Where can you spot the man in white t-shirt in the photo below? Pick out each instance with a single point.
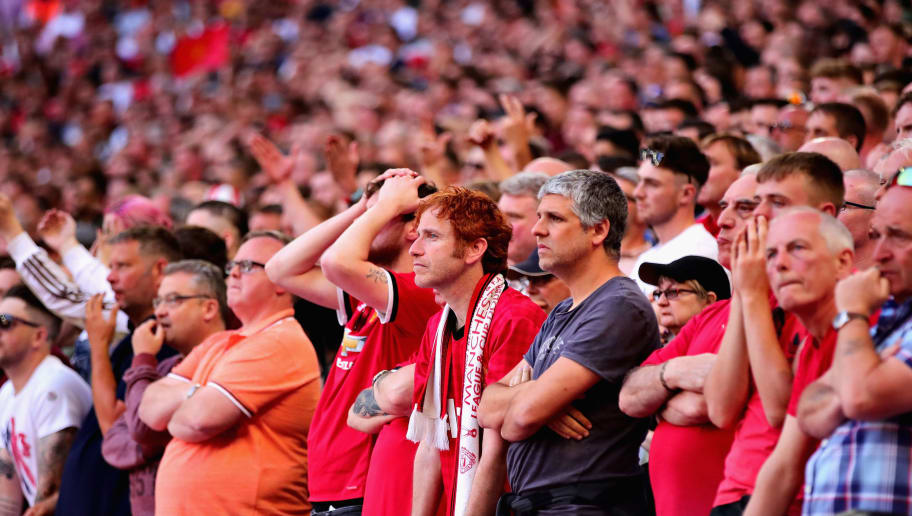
(671, 174)
(41, 405)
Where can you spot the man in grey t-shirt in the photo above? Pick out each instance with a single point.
(572, 449)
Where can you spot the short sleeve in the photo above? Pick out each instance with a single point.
(63, 403)
(265, 366)
(410, 306)
(613, 338)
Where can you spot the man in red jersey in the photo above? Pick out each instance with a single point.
(807, 253)
(461, 252)
(365, 274)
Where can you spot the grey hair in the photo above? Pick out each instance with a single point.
(594, 197)
(765, 147)
(524, 183)
(207, 278)
(834, 233)
(870, 183)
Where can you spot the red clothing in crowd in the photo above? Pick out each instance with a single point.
(339, 455)
(515, 322)
(686, 462)
(754, 437)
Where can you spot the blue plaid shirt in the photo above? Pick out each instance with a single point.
(867, 465)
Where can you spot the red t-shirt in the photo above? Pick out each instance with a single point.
(686, 462)
(389, 479)
(813, 360)
(754, 437)
(339, 455)
(515, 323)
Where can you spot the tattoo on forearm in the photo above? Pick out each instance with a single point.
(366, 404)
(378, 275)
(52, 453)
(7, 469)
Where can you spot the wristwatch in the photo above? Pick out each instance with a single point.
(843, 318)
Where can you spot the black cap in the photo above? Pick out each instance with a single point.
(529, 267)
(708, 273)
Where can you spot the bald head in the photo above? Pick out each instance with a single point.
(840, 151)
(550, 166)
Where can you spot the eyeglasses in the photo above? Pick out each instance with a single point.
(671, 294)
(785, 126)
(849, 204)
(173, 300)
(903, 177)
(245, 265)
(7, 321)
(654, 157)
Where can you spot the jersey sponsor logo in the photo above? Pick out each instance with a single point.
(345, 365)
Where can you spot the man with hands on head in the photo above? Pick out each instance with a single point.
(862, 406)
(671, 381)
(240, 404)
(750, 383)
(190, 307)
(365, 274)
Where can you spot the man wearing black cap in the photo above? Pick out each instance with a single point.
(544, 289)
(671, 174)
(686, 286)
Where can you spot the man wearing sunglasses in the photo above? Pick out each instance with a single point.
(190, 306)
(357, 263)
(41, 405)
(862, 405)
(671, 174)
(239, 406)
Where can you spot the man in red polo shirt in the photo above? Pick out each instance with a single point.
(482, 333)
(807, 253)
(365, 274)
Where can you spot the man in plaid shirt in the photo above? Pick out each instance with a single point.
(864, 403)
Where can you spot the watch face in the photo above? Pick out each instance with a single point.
(840, 319)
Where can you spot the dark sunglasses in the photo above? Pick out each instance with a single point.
(7, 321)
(654, 157)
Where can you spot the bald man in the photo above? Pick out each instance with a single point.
(840, 151)
(860, 188)
(550, 166)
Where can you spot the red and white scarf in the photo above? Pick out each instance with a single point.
(430, 423)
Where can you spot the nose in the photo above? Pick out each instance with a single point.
(538, 229)
(764, 208)
(662, 300)
(638, 191)
(112, 277)
(415, 249)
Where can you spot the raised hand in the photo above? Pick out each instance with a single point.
(862, 292)
(276, 165)
(749, 259)
(481, 134)
(342, 162)
(58, 230)
(401, 190)
(9, 223)
(100, 328)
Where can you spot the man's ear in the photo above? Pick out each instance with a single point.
(475, 251)
(828, 208)
(688, 193)
(600, 232)
(411, 230)
(211, 310)
(712, 297)
(846, 262)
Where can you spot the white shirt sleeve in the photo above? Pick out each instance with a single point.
(62, 403)
(52, 286)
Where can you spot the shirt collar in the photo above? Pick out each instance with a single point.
(268, 321)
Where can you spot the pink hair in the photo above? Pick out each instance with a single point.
(136, 210)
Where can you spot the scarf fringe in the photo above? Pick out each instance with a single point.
(421, 428)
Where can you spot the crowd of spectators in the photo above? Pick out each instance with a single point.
(455, 257)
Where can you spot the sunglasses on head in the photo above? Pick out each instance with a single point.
(903, 177)
(7, 321)
(653, 156)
